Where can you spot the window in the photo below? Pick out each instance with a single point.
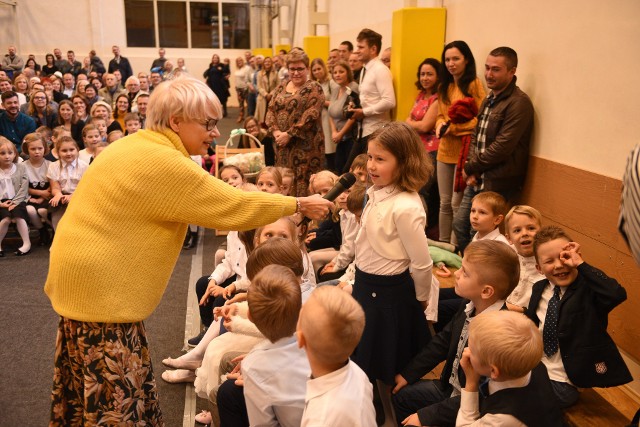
(172, 24)
(184, 23)
(139, 22)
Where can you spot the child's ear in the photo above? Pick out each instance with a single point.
(539, 269)
(498, 219)
(508, 236)
(302, 342)
(495, 372)
(488, 291)
(249, 315)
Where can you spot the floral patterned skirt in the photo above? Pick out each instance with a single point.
(103, 376)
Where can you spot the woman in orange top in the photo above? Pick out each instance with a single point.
(457, 82)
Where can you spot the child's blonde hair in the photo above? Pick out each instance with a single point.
(58, 131)
(532, 213)
(360, 162)
(497, 265)
(413, 167)
(45, 132)
(88, 128)
(507, 340)
(332, 322)
(274, 299)
(4, 142)
(131, 116)
(493, 200)
(547, 234)
(30, 138)
(275, 174)
(291, 225)
(114, 135)
(64, 139)
(235, 168)
(324, 176)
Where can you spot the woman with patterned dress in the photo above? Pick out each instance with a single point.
(293, 118)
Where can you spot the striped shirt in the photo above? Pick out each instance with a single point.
(481, 135)
(629, 222)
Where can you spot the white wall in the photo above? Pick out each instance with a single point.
(576, 57)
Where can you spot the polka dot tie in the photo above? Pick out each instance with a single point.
(550, 331)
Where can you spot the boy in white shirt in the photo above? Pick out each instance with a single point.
(505, 348)
(487, 212)
(521, 224)
(338, 391)
(275, 373)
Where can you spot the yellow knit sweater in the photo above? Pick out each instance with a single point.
(117, 244)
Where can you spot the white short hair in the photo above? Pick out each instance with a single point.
(184, 97)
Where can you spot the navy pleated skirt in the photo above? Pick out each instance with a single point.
(396, 327)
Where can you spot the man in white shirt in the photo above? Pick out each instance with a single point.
(69, 84)
(377, 96)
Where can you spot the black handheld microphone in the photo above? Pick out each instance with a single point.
(344, 183)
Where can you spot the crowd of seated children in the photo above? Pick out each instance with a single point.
(274, 373)
(274, 251)
(489, 272)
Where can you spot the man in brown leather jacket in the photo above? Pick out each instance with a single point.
(499, 151)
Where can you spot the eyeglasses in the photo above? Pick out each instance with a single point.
(40, 98)
(210, 124)
(296, 70)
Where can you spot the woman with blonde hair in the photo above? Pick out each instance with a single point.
(125, 239)
(267, 82)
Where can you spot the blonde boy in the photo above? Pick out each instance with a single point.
(275, 372)
(487, 212)
(505, 348)
(521, 224)
(338, 391)
(489, 272)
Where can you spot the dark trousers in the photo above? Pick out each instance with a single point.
(343, 149)
(206, 310)
(359, 147)
(231, 405)
(448, 304)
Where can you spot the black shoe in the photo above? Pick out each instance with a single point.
(20, 253)
(191, 240)
(45, 238)
(196, 340)
(1, 254)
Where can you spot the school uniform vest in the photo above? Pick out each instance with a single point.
(534, 404)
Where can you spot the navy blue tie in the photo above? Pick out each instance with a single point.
(550, 331)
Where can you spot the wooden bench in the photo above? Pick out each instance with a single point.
(601, 407)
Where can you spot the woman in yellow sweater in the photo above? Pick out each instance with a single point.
(458, 81)
(116, 247)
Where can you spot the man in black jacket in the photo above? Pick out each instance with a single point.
(499, 151)
(120, 63)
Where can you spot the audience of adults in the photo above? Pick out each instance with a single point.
(81, 107)
(14, 125)
(242, 80)
(457, 82)
(422, 119)
(40, 110)
(103, 110)
(293, 119)
(67, 118)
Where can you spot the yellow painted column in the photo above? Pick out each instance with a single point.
(264, 51)
(417, 33)
(316, 47)
(279, 47)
